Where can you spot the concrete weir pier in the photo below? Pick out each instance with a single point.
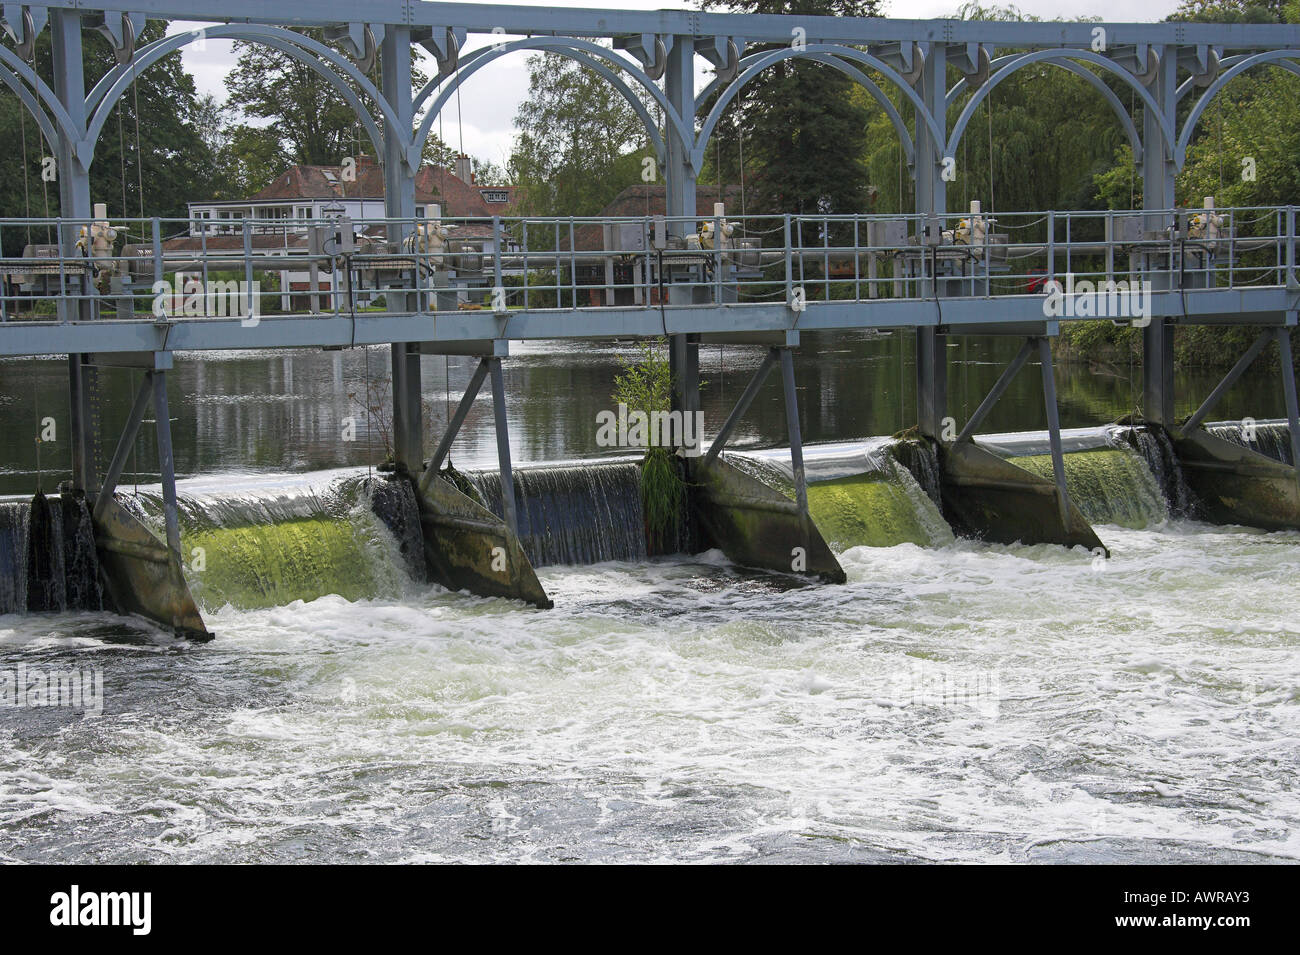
(694, 275)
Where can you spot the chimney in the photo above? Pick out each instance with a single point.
(464, 169)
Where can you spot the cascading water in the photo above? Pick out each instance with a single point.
(272, 543)
(47, 556)
(1272, 438)
(1112, 486)
(922, 463)
(1157, 451)
(13, 556)
(574, 513)
(269, 546)
(394, 503)
(858, 495)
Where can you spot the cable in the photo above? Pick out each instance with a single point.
(139, 156)
(663, 315)
(27, 199)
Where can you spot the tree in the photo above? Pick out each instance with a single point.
(300, 112)
(803, 133)
(298, 117)
(172, 162)
(1035, 143)
(579, 144)
(1252, 119)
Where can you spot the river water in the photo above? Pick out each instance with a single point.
(953, 701)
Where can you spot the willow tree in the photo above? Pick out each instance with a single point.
(802, 131)
(579, 141)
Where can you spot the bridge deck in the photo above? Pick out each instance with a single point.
(252, 284)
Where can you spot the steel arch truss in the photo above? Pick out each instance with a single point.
(1288, 60)
(56, 124)
(1078, 69)
(584, 52)
(1060, 57)
(843, 58)
(315, 55)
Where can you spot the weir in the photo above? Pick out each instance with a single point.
(691, 276)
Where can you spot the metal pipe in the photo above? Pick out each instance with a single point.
(503, 446)
(1229, 380)
(1289, 392)
(792, 426)
(746, 398)
(996, 392)
(166, 461)
(453, 426)
(1054, 430)
(124, 445)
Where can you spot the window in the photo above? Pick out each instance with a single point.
(495, 195)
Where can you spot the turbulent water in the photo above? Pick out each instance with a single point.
(1271, 438)
(953, 701)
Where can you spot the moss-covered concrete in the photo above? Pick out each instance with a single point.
(142, 576)
(990, 498)
(467, 547)
(757, 526)
(1110, 486)
(865, 510)
(1235, 485)
(269, 565)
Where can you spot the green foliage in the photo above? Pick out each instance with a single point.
(1102, 340)
(579, 144)
(174, 161)
(1035, 143)
(645, 385)
(1120, 186)
(1251, 117)
(803, 133)
(302, 114)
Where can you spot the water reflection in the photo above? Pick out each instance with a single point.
(295, 410)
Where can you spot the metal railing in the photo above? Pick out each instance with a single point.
(176, 269)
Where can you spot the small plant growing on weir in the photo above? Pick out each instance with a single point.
(646, 385)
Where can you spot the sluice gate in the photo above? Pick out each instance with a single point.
(692, 275)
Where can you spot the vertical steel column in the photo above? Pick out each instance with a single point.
(74, 204)
(1054, 430)
(1288, 391)
(679, 86)
(74, 180)
(796, 436)
(1158, 194)
(399, 203)
(931, 200)
(511, 514)
(166, 461)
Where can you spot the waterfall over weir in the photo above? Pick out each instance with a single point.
(577, 513)
(252, 542)
(47, 556)
(270, 545)
(1271, 438)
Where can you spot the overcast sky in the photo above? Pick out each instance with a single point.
(492, 96)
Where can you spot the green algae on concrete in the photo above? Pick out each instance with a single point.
(1110, 486)
(266, 565)
(756, 525)
(865, 510)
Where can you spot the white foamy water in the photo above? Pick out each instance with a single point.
(966, 702)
